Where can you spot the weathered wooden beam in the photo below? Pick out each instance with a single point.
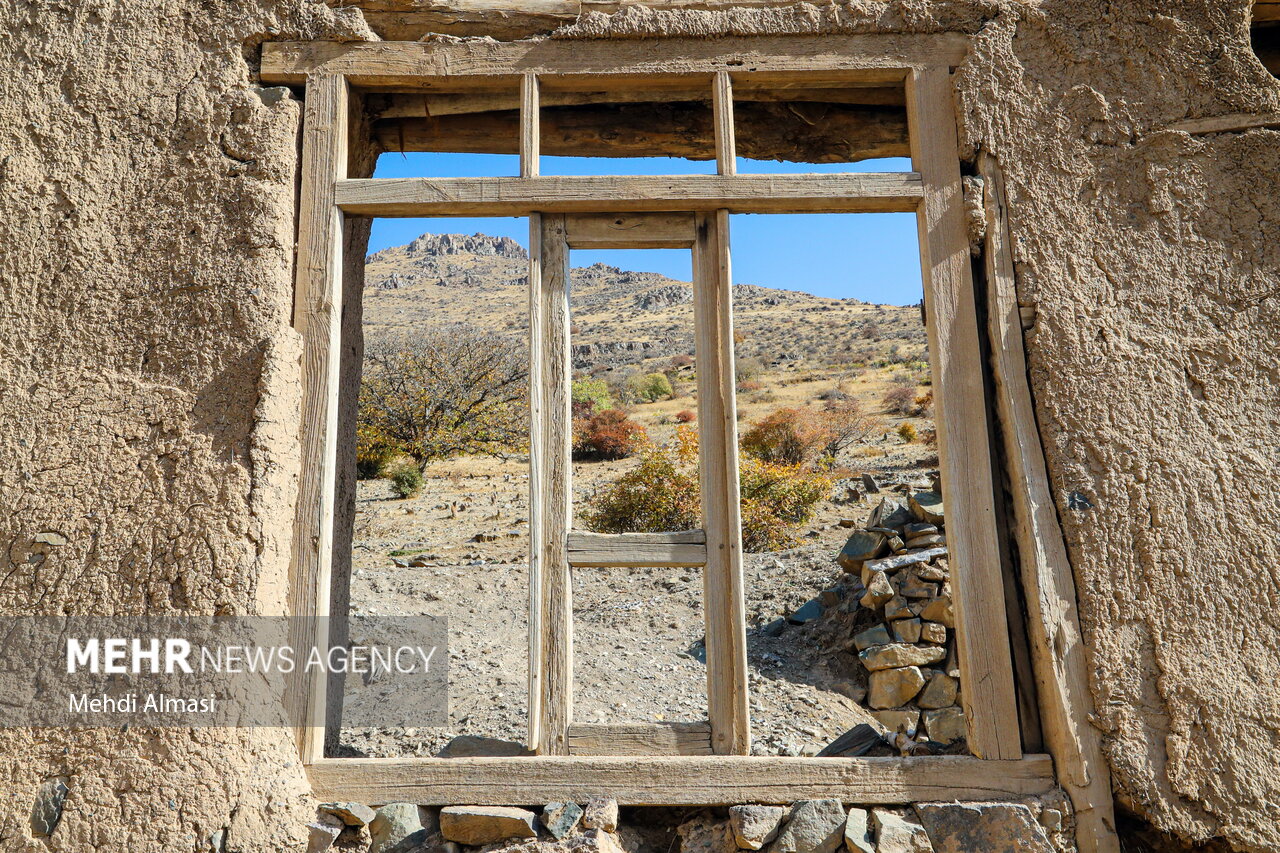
(802, 132)
(592, 65)
(630, 231)
(598, 550)
(713, 780)
(640, 739)
(1230, 123)
(409, 20)
(861, 192)
(1057, 647)
(1266, 11)
(419, 105)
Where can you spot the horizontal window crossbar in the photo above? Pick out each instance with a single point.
(865, 192)
(635, 550)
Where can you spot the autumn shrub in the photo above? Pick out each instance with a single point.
(372, 460)
(750, 385)
(685, 416)
(906, 432)
(406, 480)
(650, 387)
(662, 494)
(924, 405)
(900, 399)
(591, 396)
(787, 436)
(607, 435)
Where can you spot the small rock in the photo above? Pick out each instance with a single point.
(933, 632)
(1051, 819)
(869, 483)
(46, 812)
(601, 813)
(755, 826)
(815, 826)
(933, 573)
(561, 819)
(323, 832)
(857, 832)
(927, 506)
(861, 546)
(351, 814)
(945, 725)
(940, 610)
(907, 722)
(888, 564)
(48, 537)
(893, 688)
(486, 824)
(940, 692)
(703, 833)
(899, 608)
(913, 587)
(926, 541)
(774, 628)
(217, 841)
(907, 630)
(989, 827)
(876, 635)
(897, 655)
(810, 611)
(891, 514)
(878, 591)
(919, 528)
(397, 828)
(895, 834)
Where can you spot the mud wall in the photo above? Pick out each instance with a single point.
(148, 371)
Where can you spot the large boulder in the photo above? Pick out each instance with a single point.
(486, 824)
(989, 827)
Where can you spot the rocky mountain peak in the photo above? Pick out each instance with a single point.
(457, 244)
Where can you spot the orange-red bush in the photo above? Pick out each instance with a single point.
(607, 435)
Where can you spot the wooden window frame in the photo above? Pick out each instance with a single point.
(922, 64)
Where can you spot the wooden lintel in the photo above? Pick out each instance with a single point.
(599, 550)
(678, 780)
(629, 231)
(640, 739)
(618, 63)
(864, 192)
(1266, 11)
(1230, 123)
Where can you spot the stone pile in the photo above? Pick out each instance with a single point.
(808, 826)
(905, 634)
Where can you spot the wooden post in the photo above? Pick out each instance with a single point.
(530, 126)
(722, 109)
(318, 319)
(986, 666)
(550, 605)
(1057, 648)
(725, 612)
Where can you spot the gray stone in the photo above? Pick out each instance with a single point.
(46, 811)
(561, 819)
(323, 832)
(897, 655)
(774, 628)
(989, 827)
(945, 725)
(893, 688)
(927, 506)
(862, 545)
(876, 635)
(896, 834)
(889, 564)
(928, 540)
(217, 841)
(810, 611)
(755, 826)
(815, 826)
(703, 833)
(397, 828)
(878, 591)
(601, 813)
(899, 608)
(891, 513)
(907, 630)
(486, 824)
(857, 832)
(940, 692)
(352, 814)
(919, 528)
(869, 483)
(913, 587)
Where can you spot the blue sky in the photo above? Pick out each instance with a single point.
(868, 256)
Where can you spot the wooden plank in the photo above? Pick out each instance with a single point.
(866, 192)
(722, 115)
(318, 319)
(417, 105)
(550, 444)
(676, 781)
(1057, 647)
(1231, 123)
(630, 230)
(724, 609)
(610, 63)
(596, 550)
(640, 739)
(530, 126)
(986, 666)
(1266, 11)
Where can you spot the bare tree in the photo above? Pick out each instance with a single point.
(443, 392)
